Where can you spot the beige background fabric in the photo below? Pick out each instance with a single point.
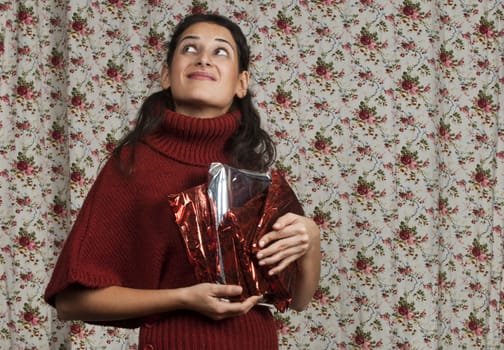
(389, 125)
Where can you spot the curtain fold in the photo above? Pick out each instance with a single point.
(388, 121)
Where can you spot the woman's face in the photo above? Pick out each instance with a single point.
(203, 75)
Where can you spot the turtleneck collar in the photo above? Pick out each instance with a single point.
(191, 140)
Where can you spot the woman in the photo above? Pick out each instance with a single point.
(124, 263)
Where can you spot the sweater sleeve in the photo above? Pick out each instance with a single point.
(104, 245)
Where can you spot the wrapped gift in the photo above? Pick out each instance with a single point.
(231, 188)
(222, 222)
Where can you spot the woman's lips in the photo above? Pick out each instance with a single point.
(201, 76)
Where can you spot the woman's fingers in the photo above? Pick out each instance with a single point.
(225, 308)
(225, 290)
(286, 226)
(289, 241)
(213, 300)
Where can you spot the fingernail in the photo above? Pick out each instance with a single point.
(261, 244)
(259, 255)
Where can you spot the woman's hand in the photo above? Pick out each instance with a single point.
(212, 301)
(294, 238)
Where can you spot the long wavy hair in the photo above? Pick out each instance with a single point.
(250, 147)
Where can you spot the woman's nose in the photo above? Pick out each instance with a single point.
(203, 59)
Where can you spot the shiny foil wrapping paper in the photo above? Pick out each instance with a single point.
(221, 223)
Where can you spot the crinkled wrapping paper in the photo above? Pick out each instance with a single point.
(222, 222)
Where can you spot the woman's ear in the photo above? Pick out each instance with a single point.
(242, 84)
(165, 77)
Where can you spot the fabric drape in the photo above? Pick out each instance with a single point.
(388, 121)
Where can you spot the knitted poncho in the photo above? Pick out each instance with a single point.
(125, 235)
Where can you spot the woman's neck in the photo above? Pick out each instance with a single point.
(203, 112)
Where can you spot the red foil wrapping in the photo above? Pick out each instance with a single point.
(225, 253)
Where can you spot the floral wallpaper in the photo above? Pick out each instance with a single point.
(389, 125)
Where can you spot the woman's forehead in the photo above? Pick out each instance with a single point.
(208, 31)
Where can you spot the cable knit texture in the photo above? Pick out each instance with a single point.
(125, 235)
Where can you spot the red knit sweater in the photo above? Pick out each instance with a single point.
(126, 235)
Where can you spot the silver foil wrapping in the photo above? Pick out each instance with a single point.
(222, 222)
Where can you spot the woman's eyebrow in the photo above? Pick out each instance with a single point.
(195, 37)
(188, 37)
(225, 41)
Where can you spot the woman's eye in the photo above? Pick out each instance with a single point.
(189, 48)
(221, 52)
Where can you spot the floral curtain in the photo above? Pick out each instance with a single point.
(388, 121)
